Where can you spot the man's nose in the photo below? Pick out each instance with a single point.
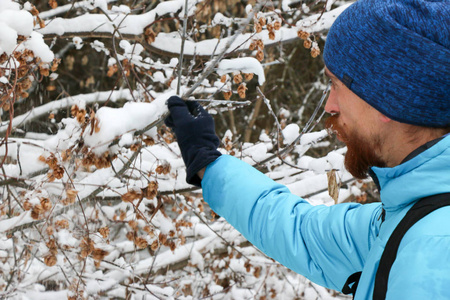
(332, 106)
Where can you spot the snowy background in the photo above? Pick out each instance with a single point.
(94, 199)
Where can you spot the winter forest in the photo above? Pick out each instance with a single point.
(94, 202)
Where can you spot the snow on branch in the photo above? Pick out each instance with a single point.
(65, 103)
(127, 23)
(131, 26)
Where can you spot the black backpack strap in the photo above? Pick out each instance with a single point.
(351, 284)
(419, 210)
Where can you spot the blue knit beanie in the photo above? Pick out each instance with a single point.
(395, 55)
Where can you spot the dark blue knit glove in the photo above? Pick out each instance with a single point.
(194, 129)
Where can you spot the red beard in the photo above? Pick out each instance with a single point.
(361, 152)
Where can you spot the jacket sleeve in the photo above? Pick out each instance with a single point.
(325, 244)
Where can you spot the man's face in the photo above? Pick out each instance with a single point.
(356, 124)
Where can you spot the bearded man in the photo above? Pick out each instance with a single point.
(389, 66)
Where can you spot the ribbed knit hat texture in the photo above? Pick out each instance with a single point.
(395, 55)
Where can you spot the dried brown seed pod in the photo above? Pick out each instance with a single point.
(66, 154)
(237, 78)
(151, 190)
(168, 137)
(130, 196)
(315, 52)
(50, 260)
(172, 246)
(49, 230)
(227, 95)
(307, 43)
(162, 238)
(81, 116)
(51, 177)
(99, 254)
(25, 83)
(303, 34)
(41, 22)
(112, 70)
(247, 266)
(262, 21)
(51, 161)
(74, 110)
(34, 215)
(148, 141)
(163, 168)
(149, 35)
(86, 246)
(141, 242)
(61, 224)
(155, 245)
(71, 195)
(104, 231)
(260, 55)
(258, 28)
(38, 209)
(23, 95)
(6, 106)
(58, 172)
(55, 64)
(241, 90)
(133, 224)
(44, 71)
(135, 147)
(103, 161)
(23, 71)
(53, 4)
(271, 35)
(277, 25)
(46, 204)
(27, 205)
(260, 44)
(257, 272)
(34, 11)
(131, 235)
(148, 230)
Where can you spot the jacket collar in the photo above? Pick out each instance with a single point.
(425, 172)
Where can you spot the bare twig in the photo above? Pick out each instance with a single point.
(183, 40)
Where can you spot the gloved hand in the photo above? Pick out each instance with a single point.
(194, 129)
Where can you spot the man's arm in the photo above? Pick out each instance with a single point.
(325, 244)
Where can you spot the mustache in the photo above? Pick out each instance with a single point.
(333, 126)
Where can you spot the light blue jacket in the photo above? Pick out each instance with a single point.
(328, 244)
